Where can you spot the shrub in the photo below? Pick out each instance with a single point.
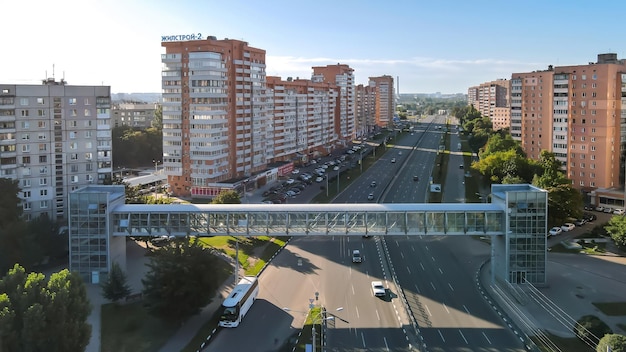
(590, 328)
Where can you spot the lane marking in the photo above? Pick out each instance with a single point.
(441, 335)
(486, 338)
(463, 336)
(446, 307)
(450, 286)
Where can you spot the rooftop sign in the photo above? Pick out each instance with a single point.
(181, 37)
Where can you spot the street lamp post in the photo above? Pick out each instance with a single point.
(156, 163)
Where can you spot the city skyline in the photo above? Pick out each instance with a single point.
(431, 47)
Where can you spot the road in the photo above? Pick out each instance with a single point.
(435, 274)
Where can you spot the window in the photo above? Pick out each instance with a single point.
(73, 112)
(41, 124)
(43, 204)
(24, 113)
(25, 136)
(86, 102)
(41, 136)
(43, 192)
(26, 160)
(87, 112)
(88, 156)
(41, 113)
(26, 171)
(25, 124)
(88, 145)
(73, 145)
(73, 156)
(74, 168)
(43, 181)
(25, 183)
(40, 101)
(72, 101)
(88, 134)
(25, 148)
(74, 179)
(26, 206)
(74, 123)
(26, 194)
(43, 159)
(88, 123)
(72, 135)
(89, 167)
(42, 147)
(23, 101)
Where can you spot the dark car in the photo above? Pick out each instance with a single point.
(589, 217)
(580, 222)
(415, 178)
(588, 207)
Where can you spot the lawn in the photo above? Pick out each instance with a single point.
(130, 328)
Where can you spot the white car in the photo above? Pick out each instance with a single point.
(356, 256)
(319, 179)
(290, 181)
(295, 171)
(618, 212)
(568, 226)
(336, 168)
(378, 289)
(555, 231)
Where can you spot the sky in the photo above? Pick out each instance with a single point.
(427, 46)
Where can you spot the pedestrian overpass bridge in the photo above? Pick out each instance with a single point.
(516, 221)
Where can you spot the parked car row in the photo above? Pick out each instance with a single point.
(569, 226)
(606, 210)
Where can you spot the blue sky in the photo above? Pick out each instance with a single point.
(432, 46)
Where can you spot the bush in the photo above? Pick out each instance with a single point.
(616, 343)
(590, 328)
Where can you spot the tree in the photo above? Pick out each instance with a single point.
(180, 280)
(10, 209)
(116, 286)
(157, 121)
(40, 315)
(590, 329)
(227, 197)
(564, 200)
(617, 230)
(613, 343)
(501, 143)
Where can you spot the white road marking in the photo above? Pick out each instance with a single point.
(446, 307)
(450, 286)
(434, 288)
(444, 340)
(463, 336)
(486, 338)
(428, 310)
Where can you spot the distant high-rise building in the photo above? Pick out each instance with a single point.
(578, 113)
(385, 102)
(365, 109)
(54, 138)
(492, 100)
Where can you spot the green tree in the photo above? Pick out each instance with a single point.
(116, 286)
(10, 210)
(613, 343)
(616, 228)
(227, 197)
(591, 329)
(564, 200)
(180, 280)
(157, 121)
(500, 143)
(40, 315)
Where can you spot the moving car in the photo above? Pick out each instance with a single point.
(568, 226)
(415, 178)
(373, 184)
(356, 256)
(378, 289)
(370, 196)
(393, 160)
(555, 231)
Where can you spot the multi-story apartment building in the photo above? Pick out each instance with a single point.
(54, 138)
(303, 118)
(492, 100)
(578, 113)
(365, 107)
(215, 114)
(342, 76)
(225, 122)
(384, 100)
(133, 115)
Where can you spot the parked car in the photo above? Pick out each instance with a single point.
(295, 171)
(336, 168)
(568, 226)
(618, 212)
(290, 181)
(555, 231)
(580, 222)
(378, 289)
(588, 207)
(589, 217)
(600, 208)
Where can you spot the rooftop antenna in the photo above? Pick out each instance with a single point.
(52, 70)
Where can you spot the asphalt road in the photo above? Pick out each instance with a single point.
(435, 274)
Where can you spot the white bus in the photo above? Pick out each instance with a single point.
(239, 301)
